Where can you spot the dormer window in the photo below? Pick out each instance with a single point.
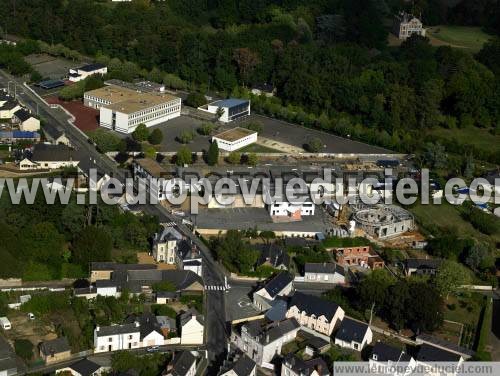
(374, 356)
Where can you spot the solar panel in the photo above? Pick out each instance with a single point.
(51, 84)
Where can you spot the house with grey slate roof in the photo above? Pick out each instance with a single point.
(262, 341)
(315, 313)
(353, 334)
(324, 272)
(279, 285)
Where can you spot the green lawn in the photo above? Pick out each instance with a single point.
(256, 148)
(446, 216)
(478, 137)
(471, 38)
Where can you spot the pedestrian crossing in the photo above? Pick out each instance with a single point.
(169, 224)
(216, 288)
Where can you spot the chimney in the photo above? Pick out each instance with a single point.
(137, 324)
(267, 338)
(97, 328)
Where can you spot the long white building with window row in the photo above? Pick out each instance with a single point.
(123, 109)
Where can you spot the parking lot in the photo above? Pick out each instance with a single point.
(247, 218)
(239, 305)
(50, 66)
(296, 135)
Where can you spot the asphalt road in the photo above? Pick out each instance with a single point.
(215, 321)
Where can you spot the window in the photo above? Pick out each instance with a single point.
(110, 339)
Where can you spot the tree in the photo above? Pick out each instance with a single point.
(186, 137)
(246, 60)
(450, 276)
(141, 133)
(267, 235)
(374, 287)
(220, 111)
(183, 156)
(93, 244)
(235, 253)
(156, 137)
(479, 257)
(195, 100)
(206, 129)
(315, 145)
(213, 154)
(164, 286)
(234, 157)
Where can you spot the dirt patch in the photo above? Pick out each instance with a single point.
(86, 119)
(35, 331)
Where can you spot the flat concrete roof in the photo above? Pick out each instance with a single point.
(245, 218)
(129, 101)
(234, 134)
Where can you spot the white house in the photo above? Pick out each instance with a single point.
(192, 327)
(325, 272)
(165, 245)
(183, 363)
(389, 358)
(405, 25)
(107, 288)
(26, 121)
(262, 341)
(84, 367)
(354, 335)
(315, 313)
(50, 157)
(188, 257)
(229, 109)
(294, 209)
(279, 285)
(155, 177)
(294, 366)
(8, 109)
(151, 333)
(117, 337)
(242, 365)
(430, 356)
(235, 138)
(81, 73)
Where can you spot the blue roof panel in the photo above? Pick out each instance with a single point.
(230, 102)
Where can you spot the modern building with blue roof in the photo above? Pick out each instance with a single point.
(7, 137)
(232, 108)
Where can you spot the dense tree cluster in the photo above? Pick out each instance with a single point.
(328, 60)
(44, 241)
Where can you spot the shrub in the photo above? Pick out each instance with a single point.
(234, 157)
(314, 145)
(213, 154)
(23, 348)
(206, 129)
(185, 137)
(156, 137)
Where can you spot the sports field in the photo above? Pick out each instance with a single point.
(470, 38)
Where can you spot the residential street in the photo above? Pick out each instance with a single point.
(215, 321)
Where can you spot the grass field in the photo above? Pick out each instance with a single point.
(256, 148)
(480, 138)
(470, 38)
(446, 216)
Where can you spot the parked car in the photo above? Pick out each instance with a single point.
(31, 316)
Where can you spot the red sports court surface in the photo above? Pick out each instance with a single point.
(87, 119)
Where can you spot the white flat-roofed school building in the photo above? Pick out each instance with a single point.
(232, 108)
(122, 109)
(81, 73)
(234, 139)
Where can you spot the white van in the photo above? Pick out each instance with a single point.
(5, 323)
